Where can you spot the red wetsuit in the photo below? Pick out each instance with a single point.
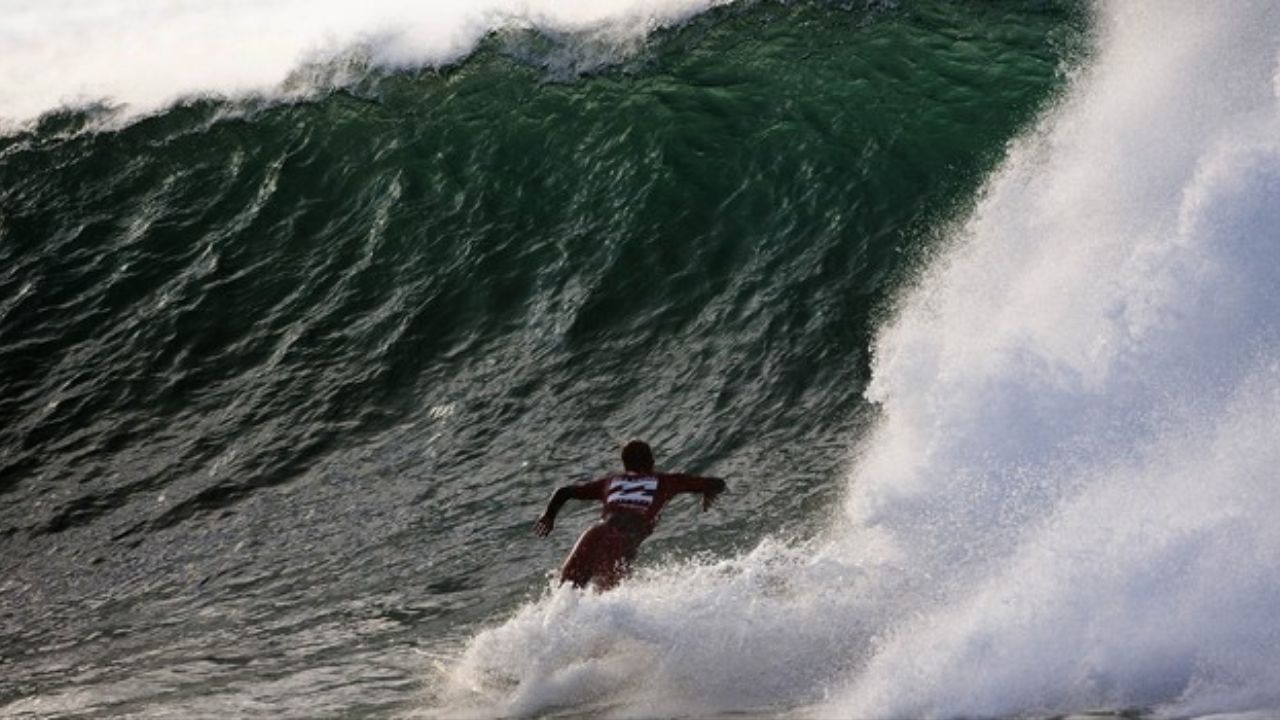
(632, 504)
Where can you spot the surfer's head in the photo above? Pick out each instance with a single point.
(637, 457)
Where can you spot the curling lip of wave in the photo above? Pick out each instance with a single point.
(142, 56)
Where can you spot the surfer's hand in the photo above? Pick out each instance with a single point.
(708, 500)
(544, 525)
(711, 494)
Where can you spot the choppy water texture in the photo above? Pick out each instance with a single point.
(973, 303)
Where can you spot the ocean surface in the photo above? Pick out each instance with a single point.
(307, 307)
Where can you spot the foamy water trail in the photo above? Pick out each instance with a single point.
(1070, 502)
(145, 54)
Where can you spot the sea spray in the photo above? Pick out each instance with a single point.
(1081, 400)
(748, 633)
(141, 56)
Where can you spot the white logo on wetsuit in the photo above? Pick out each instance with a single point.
(638, 491)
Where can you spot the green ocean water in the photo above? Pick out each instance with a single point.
(283, 384)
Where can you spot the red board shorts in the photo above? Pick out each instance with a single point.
(602, 555)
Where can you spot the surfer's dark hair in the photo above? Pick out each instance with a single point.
(637, 457)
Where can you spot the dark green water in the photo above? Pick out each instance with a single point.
(283, 386)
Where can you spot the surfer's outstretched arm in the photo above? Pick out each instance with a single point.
(710, 487)
(563, 494)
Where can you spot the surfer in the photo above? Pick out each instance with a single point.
(632, 501)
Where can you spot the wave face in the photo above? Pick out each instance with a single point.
(1068, 503)
(142, 56)
(283, 384)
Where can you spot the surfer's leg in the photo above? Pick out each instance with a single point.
(602, 555)
(614, 571)
(617, 550)
(584, 560)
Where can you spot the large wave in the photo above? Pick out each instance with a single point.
(138, 56)
(1070, 501)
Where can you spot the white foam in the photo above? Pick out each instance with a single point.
(145, 54)
(654, 647)
(1082, 399)
(1071, 501)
